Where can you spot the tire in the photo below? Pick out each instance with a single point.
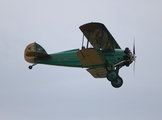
(30, 67)
(117, 83)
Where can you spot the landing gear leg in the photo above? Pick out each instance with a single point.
(31, 66)
(114, 78)
(112, 74)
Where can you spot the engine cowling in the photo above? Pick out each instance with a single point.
(128, 56)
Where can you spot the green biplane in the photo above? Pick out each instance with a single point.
(103, 60)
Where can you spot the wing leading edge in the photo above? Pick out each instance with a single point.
(99, 37)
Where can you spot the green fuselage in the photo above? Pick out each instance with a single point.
(70, 59)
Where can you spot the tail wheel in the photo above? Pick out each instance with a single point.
(117, 83)
(31, 66)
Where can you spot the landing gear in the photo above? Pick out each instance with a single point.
(114, 78)
(112, 75)
(117, 83)
(31, 66)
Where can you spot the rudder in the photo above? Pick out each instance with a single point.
(32, 51)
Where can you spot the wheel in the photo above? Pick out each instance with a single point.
(30, 67)
(117, 83)
(112, 75)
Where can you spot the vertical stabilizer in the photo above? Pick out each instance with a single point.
(32, 51)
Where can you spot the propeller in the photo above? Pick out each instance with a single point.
(134, 56)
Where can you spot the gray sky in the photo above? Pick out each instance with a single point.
(61, 93)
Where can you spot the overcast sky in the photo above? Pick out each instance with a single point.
(61, 93)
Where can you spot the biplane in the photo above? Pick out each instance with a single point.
(103, 59)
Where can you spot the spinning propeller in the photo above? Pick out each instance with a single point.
(134, 55)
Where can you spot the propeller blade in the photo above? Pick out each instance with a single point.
(134, 66)
(134, 55)
(134, 52)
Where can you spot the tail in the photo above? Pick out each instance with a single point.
(32, 51)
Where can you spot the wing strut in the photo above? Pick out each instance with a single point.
(82, 47)
(101, 44)
(88, 38)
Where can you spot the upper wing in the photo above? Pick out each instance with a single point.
(99, 36)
